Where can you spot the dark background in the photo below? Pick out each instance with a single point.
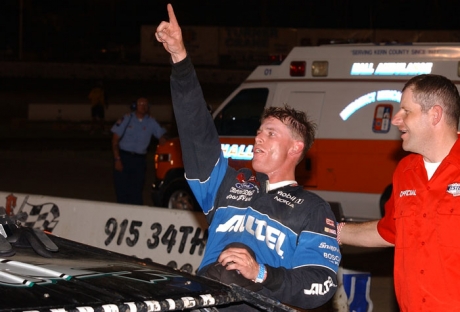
(92, 30)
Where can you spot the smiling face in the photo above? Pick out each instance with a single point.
(414, 124)
(275, 150)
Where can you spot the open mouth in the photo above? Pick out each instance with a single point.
(403, 132)
(258, 150)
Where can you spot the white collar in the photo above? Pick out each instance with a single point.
(279, 184)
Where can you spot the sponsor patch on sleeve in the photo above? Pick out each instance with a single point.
(330, 222)
(331, 231)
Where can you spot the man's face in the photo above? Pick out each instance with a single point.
(272, 145)
(142, 106)
(413, 124)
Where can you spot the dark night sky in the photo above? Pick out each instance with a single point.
(92, 24)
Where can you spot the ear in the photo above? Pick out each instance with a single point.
(297, 148)
(436, 112)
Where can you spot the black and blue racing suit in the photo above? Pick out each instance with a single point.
(292, 231)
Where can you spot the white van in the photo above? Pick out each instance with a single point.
(351, 92)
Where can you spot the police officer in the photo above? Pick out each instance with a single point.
(131, 138)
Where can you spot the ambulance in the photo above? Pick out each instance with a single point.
(351, 92)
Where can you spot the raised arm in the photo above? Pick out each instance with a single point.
(199, 140)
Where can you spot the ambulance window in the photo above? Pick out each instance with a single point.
(241, 116)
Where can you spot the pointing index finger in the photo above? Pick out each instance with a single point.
(172, 16)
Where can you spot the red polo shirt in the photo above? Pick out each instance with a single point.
(422, 219)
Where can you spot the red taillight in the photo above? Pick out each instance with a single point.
(297, 68)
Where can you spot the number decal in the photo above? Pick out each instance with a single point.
(133, 231)
(110, 229)
(153, 243)
(169, 238)
(123, 226)
(191, 241)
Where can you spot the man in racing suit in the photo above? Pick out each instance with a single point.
(265, 230)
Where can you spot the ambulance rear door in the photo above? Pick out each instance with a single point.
(298, 96)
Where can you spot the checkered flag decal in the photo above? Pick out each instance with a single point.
(42, 217)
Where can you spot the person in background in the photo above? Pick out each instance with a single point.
(131, 138)
(98, 101)
(266, 232)
(422, 216)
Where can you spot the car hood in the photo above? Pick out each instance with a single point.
(78, 277)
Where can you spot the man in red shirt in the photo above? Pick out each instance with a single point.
(422, 217)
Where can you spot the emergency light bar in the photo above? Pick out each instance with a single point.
(319, 68)
(297, 68)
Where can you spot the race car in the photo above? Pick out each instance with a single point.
(43, 272)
